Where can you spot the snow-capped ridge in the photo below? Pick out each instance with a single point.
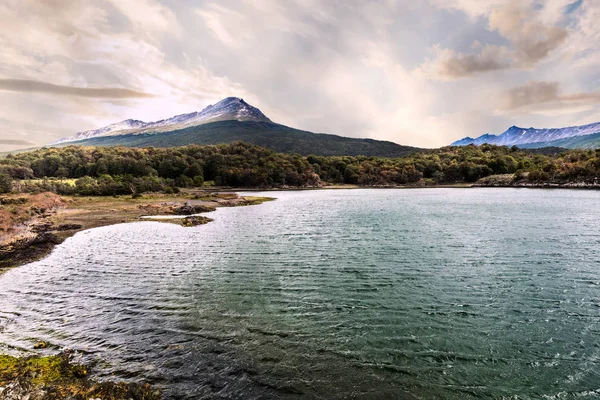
(516, 135)
(228, 109)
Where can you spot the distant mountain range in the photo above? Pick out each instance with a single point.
(573, 137)
(230, 120)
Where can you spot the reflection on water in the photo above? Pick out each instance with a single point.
(447, 293)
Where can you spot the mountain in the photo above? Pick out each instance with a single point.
(570, 137)
(590, 142)
(230, 108)
(230, 120)
(266, 134)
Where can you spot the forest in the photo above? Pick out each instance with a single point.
(122, 170)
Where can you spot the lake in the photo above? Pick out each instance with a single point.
(367, 294)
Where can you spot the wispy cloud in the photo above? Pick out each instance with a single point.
(16, 142)
(24, 85)
(544, 97)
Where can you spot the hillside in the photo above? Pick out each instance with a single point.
(267, 134)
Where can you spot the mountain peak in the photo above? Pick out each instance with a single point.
(228, 109)
(232, 99)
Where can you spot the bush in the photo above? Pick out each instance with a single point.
(6, 183)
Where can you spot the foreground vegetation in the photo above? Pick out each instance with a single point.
(57, 377)
(75, 170)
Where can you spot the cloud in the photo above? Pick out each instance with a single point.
(213, 15)
(473, 8)
(542, 97)
(24, 85)
(532, 92)
(449, 64)
(16, 142)
(148, 16)
(530, 42)
(349, 68)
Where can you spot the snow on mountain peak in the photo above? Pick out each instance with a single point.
(516, 135)
(228, 109)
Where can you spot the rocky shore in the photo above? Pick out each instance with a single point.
(510, 180)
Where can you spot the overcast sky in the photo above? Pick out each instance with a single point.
(421, 73)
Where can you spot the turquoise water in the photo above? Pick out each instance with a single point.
(421, 293)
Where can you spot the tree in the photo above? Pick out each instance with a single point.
(6, 183)
(350, 175)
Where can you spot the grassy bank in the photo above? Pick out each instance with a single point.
(58, 377)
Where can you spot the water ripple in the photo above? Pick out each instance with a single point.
(437, 293)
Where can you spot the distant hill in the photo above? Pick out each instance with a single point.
(231, 120)
(267, 134)
(573, 137)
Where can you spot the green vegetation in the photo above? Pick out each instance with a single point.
(120, 170)
(6, 183)
(57, 377)
(266, 134)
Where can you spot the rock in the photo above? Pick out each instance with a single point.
(41, 227)
(68, 227)
(192, 209)
(45, 238)
(194, 221)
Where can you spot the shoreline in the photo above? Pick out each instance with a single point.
(39, 376)
(228, 189)
(474, 185)
(34, 238)
(50, 226)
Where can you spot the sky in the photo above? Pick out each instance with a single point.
(421, 73)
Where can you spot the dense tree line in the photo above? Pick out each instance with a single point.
(121, 170)
(450, 165)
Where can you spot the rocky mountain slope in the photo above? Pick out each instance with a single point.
(228, 109)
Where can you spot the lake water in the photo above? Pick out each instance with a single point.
(367, 294)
